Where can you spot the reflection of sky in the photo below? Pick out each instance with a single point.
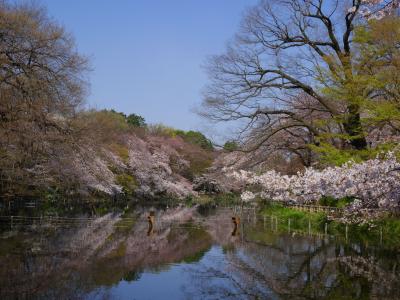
(268, 264)
(147, 55)
(174, 281)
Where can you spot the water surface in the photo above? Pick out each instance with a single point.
(185, 255)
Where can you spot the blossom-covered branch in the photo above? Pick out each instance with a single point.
(375, 182)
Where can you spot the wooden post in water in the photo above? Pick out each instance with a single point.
(309, 227)
(236, 222)
(150, 219)
(347, 230)
(276, 223)
(381, 235)
(12, 219)
(289, 225)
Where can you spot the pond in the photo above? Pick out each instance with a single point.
(182, 254)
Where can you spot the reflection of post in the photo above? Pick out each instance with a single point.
(236, 222)
(150, 219)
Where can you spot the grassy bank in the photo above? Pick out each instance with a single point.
(298, 219)
(385, 230)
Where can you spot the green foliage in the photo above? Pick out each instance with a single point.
(367, 88)
(224, 199)
(107, 120)
(231, 146)
(196, 257)
(199, 165)
(162, 130)
(133, 275)
(369, 232)
(333, 202)
(191, 137)
(115, 121)
(330, 155)
(189, 201)
(128, 183)
(390, 230)
(121, 150)
(227, 199)
(52, 194)
(299, 218)
(136, 120)
(197, 138)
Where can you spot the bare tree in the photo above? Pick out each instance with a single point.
(42, 84)
(274, 73)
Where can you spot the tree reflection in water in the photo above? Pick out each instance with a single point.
(300, 267)
(223, 258)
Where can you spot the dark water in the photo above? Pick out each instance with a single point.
(185, 255)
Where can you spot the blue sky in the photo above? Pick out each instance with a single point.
(147, 55)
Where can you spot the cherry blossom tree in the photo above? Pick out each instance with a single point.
(375, 183)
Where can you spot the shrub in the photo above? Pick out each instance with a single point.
(197, 138)
(230, 146)
(128, 183)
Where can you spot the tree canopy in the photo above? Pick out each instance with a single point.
(136, 120)
(42, 86)
(295, 75)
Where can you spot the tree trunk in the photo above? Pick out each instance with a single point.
(353, 128)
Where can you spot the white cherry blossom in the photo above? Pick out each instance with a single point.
(376, 183)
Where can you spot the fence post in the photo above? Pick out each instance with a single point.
(289, 224)
(381, 235)
(347, 230)
(309, 227)
(326, 228)
(276, 223)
